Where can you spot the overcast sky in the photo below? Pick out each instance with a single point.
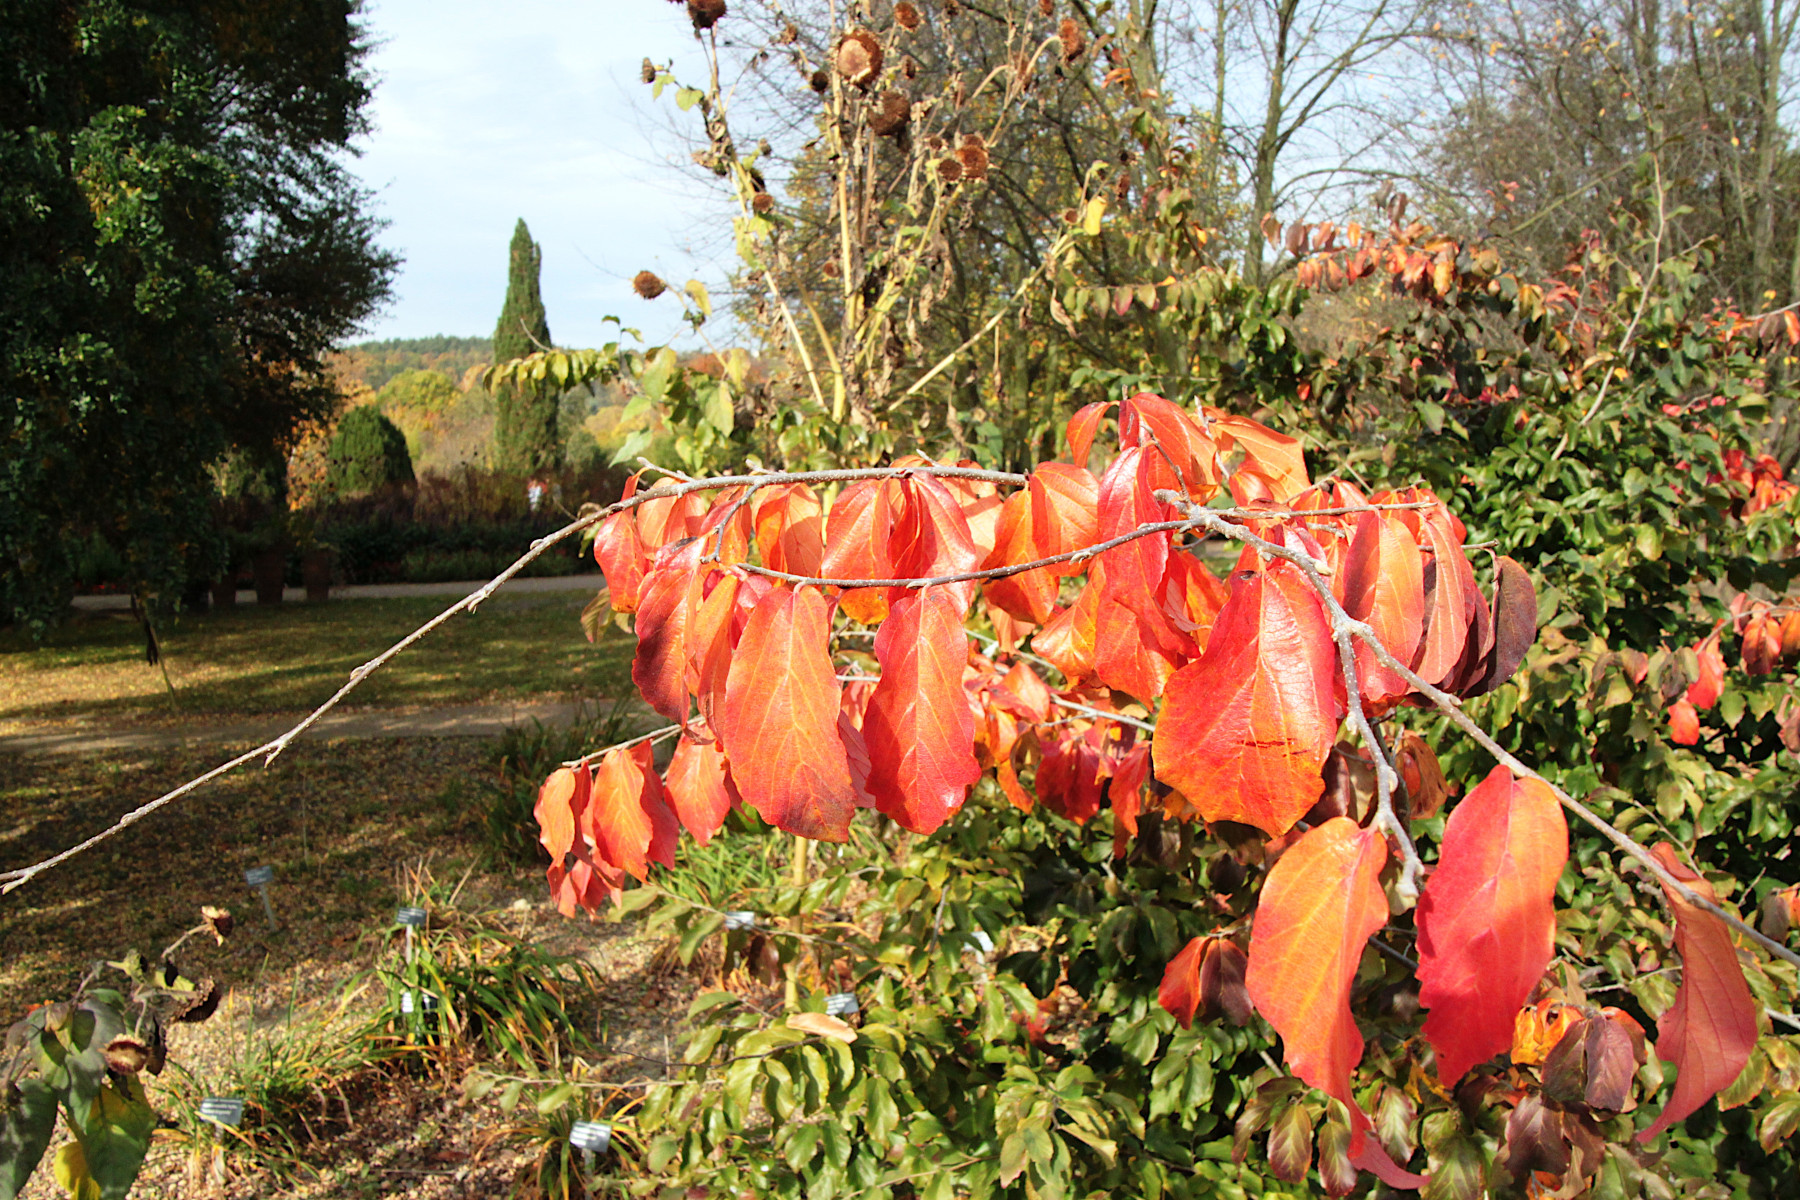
(488, 112)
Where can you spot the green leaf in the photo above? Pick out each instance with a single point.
(697, 290)
(25, 1130)
(1432, 414)
(687, 97)
(1012, 1157)
(719, 412)
(555, 1098)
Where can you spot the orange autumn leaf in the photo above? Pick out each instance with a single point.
(560, 803)
(779, 722)
(1206, 981)
(627, 817)
(699, 787)
(1246, 728)
(1486, 922)
(1710, 1030)
(1684, 723)
(1081, 429)
(931, 538)
(1705, 691)
(1449, 599)
(1320, 905)
(790, 529)
(1274, 466)
(1065, 507)
(918, 727)
(1067, 639)
(1028, 595)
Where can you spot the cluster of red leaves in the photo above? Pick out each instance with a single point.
(1762, 480)
(746, 599)
(1769, 638)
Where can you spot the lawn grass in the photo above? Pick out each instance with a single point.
(253, 659)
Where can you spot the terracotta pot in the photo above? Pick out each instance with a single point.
(270, 570)
(315, 572)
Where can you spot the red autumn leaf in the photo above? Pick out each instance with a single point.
(1245, 729)
(1134, 571)
(1705, 691)
(1450, 598)
(627, 817)
(725, 527)
(665, 519)
(1486, 922)
(711, 636)
(1710, 1030)
(779, 719)
(698, 787)
(670, 593)
(1684, 723)
(1135, 651)
(1180, 990)
(622, 558)
(1082, 427)
(930, 538)
(856, 544)
(1182, 455)
(790, 529)
(918, 728)
(1320, 904)
(1022, 684)
(1384, 585)
(1071, 779)
(980, 502)
(1126, 791)
(1192, 597)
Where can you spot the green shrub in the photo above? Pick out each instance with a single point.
(368, 452)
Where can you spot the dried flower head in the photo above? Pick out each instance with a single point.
(705, 13)
(126, 1055)
(1073, 39)
(647, 285)
(934, 143)
(949, 170)
(1046, 7)
(892, 115)
(906, 16)
(818, 81)
(761, 203)
(974, 157)
(788, 35)
(831, 268)
(647, 72)
(217, 921)
(859, 57)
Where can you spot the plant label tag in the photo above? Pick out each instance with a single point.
(259, 876)
(842, 1004)
(222, 1110)
(980, 943)
(591, 1136)
(735, 921)
(426, 1002)
(410, 916)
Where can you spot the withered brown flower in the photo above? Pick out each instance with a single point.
(859, 57)
(647, 285)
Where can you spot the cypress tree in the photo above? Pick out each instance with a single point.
(525, 435)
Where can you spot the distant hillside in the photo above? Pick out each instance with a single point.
(374, 363)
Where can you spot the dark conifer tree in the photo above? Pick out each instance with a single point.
(525, 434)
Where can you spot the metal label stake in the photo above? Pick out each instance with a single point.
(410, 918)
(842, 1004)
(260, 878)
(735, 921)
(222, 1110)
(591, 1138)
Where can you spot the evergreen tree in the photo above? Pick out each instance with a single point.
(525, 436)
(367, 452)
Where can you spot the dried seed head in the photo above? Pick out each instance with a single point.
(974, 157)
(788, 35)
(1046, 7)
(949, 170)
(647, 285)
(126, 1055)
(1070, 216)
(198, 1005)
(892, 116)
(705, 13)
(218, 922)
(906, 16)
(819, 81)
(831, 268)
(761, 203)
(934, 143)
(859, 57)
(1122, 186)
(1073, 39)
(647, 72)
